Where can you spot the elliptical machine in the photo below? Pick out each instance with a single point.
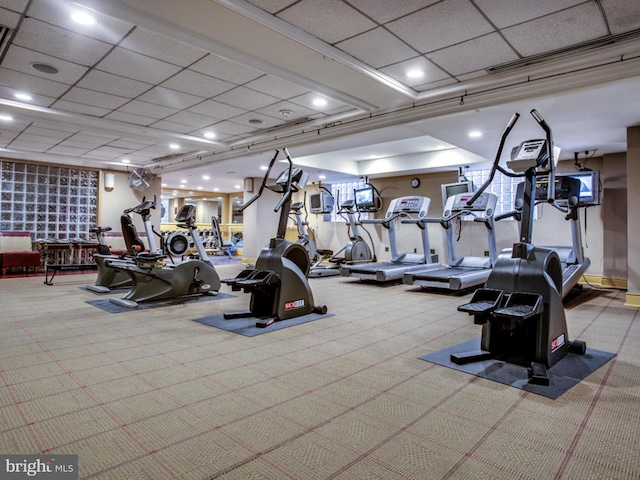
(279, 287)
(112, 278)
(154, 280)
(520, 309)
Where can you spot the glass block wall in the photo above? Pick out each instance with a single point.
(54, 203)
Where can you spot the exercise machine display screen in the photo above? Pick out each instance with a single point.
(365, 198)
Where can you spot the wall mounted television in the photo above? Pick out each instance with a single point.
(451, 189)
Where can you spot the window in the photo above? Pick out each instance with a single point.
(502, 186)
(49, 202)
(343, 192)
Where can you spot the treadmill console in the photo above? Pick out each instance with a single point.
(409, 205)
(486, 203)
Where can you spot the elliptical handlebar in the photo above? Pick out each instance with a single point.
(287, 192)
(496, 161)
(263, 185)
(551, 189)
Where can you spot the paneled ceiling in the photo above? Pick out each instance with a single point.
(351, 87)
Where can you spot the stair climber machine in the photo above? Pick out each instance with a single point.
(355, 251)
(520, 308)
(462, 272)
(278, 285)
(399, 209)
(153, 280)
(112, 278)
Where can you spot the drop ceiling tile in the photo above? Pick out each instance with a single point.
(26, 146)
(20, 59)
(272, 6)
(126, 63)
(113, 84)
(15, 5)
(32, 84)
(56, 135)
(474, 55)
(383, 12)
(58, 13)
(217, 110)
(125, 117)
(110, 152)
(561, 29)
(297, 111)
(276, 87)
(171, 127)
(329, 20)
(130, 144)
(307, 100)
(245, 98)
(377, 48)
(148, 110)
(505, 13)
(170, 98)
(441, 25)
(40, 100)
(70, 151)
(162, 48)
(8, 18)
(80, 108)
(93, 98)
(230, 128)
(51, 40)
(622, 15)
(223, 69)
(191, 119)
(91, 140)
(198, 84)
(399, 71)
(45, 142)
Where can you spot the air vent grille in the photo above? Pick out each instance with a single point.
(5, 41)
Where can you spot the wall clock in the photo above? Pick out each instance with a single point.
(415, 182)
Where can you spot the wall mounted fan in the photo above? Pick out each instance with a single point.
(141, 178)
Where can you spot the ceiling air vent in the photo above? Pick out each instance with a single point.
(5, 41)
(590, 44)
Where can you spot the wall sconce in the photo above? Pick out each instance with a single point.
(248, 185)
(109, 181)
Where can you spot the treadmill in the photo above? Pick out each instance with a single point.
(567, 196)
(400, 208)
(462, 272)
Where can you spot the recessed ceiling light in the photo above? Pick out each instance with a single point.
(163, 185)
(209, 135)
(237, 187)
(125, 160)
(475, 134)
(322, 177)
(6, 118)
(174, 146)
(319, 102)
(263, 167)
(45, 68)
(183, 181)
(255, 121)
(415, 73)
(199, 188)
(83, 18)
(23, 96)
(216, 189)
(205, 177)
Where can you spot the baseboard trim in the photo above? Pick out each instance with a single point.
(608, 282)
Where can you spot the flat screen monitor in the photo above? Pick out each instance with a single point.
(451, 189)
(321, 203)
(365, 198)
(589, 186)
